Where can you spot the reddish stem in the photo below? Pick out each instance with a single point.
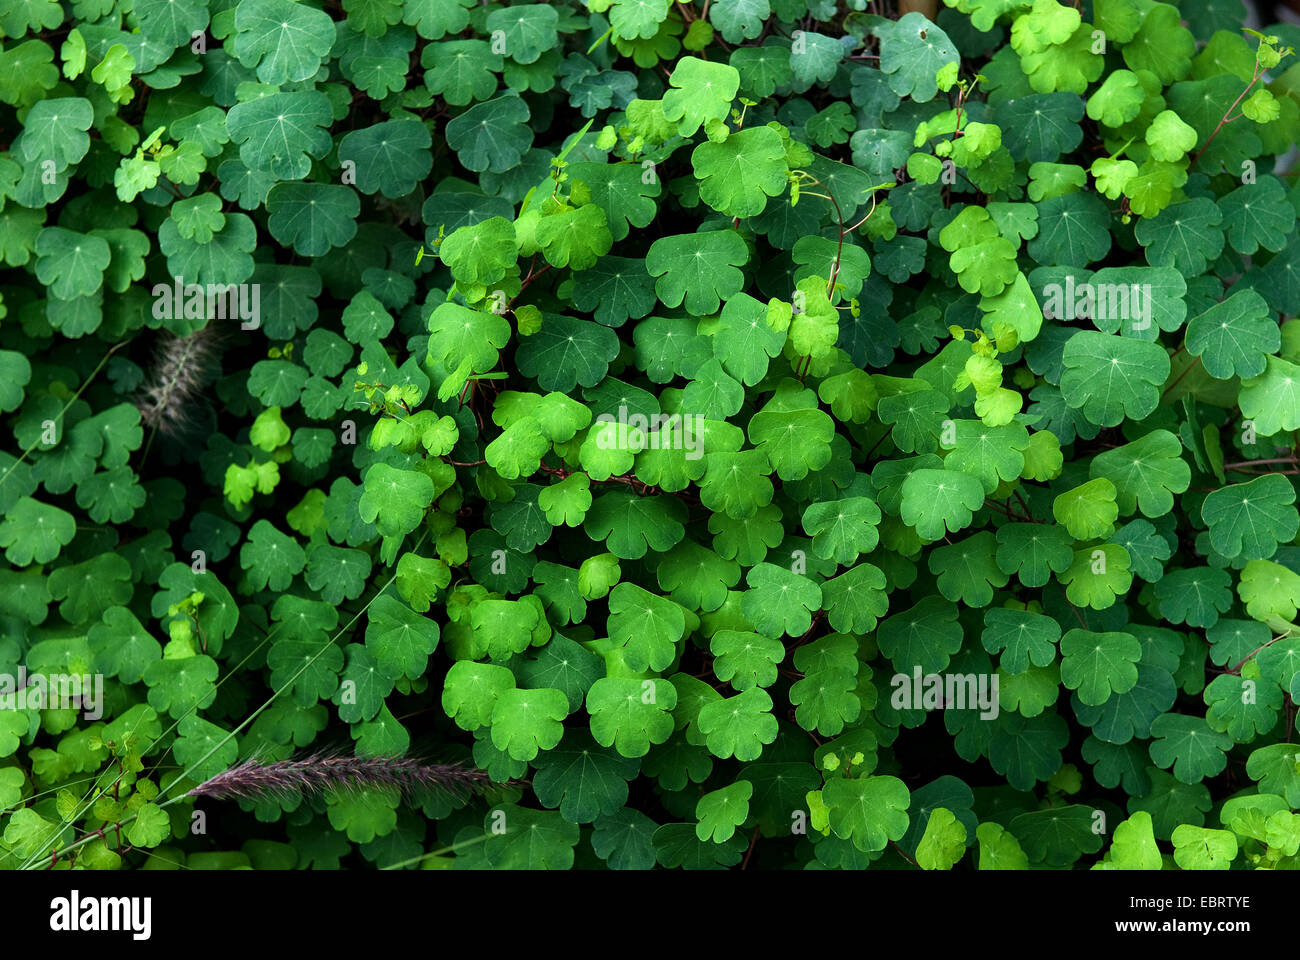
(753, 842)
(1252, 463)
(1254, 80)
(1179, 379)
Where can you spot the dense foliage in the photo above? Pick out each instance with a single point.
(663, 407)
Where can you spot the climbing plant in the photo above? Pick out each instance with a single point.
(752, 434)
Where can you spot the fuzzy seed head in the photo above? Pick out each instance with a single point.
(320, 772)
(182, 368)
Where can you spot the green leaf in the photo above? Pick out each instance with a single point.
(567, 352)
(1234, 337)
(843, 529)
(534, 839)
(1241, 708)
(856, 599)
(696, 577)
(629, 525)
(399, 639)
(123, 648)
(461, 71)
(1275, 768)
(1098, 665)
(1145, 473)
(720, 812)
(528, 29)
(525, 722)
(1133, 846)
(1118, 100)
(283, 40)
(1186, 236)
(794, 441)
(389, 157)
(366, 319)
(226, 259)
(999, 849)
(1196, 596)
(564, 665)
(824, 699)
(566, 502)
(584, 781)
(279, 134)
(482, 253)
(1189, 745)
(204, 748)
(1169, 138)
(943, 844)
(471, 690)
(1056, 837)
(150, 827)
(199, 217)
(574, 238)
(647, 627)
(1098, 576)
(1254, 216)
(778, 601)
(967, 571)
(738, 726)
(633, 20)
(697, 269)
(1040, 127)
(927, 635)
(676, 845)
(631, 715)
(623, 841)
(1127, 715)
(34, 16)
(55, 131)
(991, 453)
(935, 501)
(912, 51)
(1249, 520)
(700, 91)
(312, 217)
(35, 531)
(1109, 378)
(91, 588)
(622, 191)
(71, 264)
(745, 659)
(738, 175)
(916, 418)
(1073, 230)
(17, 373)
(492, 135)
(178, 687)
(1196, 848)
(394, 499)
(1021, 637)
(433, 19)
(1161, 45)
(1033, 552)
(1271, 401)
(870, 811)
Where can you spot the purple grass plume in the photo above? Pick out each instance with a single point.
(320, 772)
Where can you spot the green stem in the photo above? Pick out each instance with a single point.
(88, 837)
(59, 416)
